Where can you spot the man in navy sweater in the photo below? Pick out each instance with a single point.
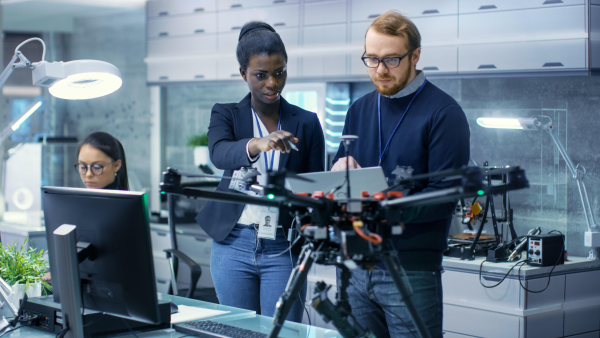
(407, 121)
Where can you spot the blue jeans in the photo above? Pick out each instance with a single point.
(376, 303)
(246, 277)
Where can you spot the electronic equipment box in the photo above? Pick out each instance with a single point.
(545, 250)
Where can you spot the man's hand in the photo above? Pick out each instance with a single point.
(341, 164)
(277, 140)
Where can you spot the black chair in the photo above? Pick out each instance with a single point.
(175, 256)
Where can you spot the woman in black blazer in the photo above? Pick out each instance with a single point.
(258, 132)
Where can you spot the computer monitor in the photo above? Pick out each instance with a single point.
(118, 277)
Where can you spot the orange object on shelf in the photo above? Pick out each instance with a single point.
(379, 196)
(396, 194)
(476, 208)
(330, 196)
(318, 194)
(364, 194)
(305, 194)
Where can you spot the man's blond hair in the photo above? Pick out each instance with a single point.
(395, 24)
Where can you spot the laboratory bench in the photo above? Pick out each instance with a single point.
(569, 307)
(235, 317)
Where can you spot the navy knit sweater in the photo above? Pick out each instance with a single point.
(434, 135)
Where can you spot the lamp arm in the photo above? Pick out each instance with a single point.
(578, 173)
(8, 70)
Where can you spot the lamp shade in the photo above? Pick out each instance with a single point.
(86, 79)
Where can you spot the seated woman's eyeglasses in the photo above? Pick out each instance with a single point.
(391, 62)
(97, 169)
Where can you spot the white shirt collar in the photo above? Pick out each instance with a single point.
(412, 87)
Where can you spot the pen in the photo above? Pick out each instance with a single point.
(292, 145)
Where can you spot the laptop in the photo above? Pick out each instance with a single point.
(363, 179)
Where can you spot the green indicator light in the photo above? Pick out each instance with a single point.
(162, 192)
(480, 192)
(270, 196)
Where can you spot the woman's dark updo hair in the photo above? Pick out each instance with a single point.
(110, 146)
(258, 38)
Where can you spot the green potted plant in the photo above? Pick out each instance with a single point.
(22, 268)
(200, 144)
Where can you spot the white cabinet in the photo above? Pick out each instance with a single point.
(480, 6)
(442, 59)
(228, 41)
(524, 25)
(480, 323)
(236, 4)
(323, 13)
(161, 8)
(523, 56)
(325, 35)
(277, 16)
(366, 10)
(200, 69)
(183, 46)
(182, 25)
(437, 30)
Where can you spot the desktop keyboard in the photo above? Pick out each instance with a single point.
(207, 328)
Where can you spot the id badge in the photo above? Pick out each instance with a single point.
(269, 218)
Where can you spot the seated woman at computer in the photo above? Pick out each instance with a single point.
(101, 162)
(266, 132)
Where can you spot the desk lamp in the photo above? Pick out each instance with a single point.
(542, 122)
(74, 80)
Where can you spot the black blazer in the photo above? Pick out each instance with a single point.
(230, 129)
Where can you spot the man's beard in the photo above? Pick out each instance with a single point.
(395, 85)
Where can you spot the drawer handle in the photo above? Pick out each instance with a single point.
(373, 16)
(199, 77)
(200, 239)
(487, 7)
(199, 9)
(162, 234)
(236, 6)
(552, 2)
(235, 75)
(279, 1)
(163, 34)
(553, 64)
(431, 68)
(491, 279)
(431, 11)
(234, 28)
(279, 24)
(161, 281)
(163, 78)
(487, 67)
(163, 13)
(199, 31)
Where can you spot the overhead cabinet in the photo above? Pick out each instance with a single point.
(325, 38)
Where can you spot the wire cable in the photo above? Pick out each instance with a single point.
(11, 330)
(550, 274)
(130, 330)
(503, 278)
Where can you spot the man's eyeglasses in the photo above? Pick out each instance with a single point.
(97, 169)
(391, 62)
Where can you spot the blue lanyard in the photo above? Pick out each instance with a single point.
(261, 135)
(382, 153)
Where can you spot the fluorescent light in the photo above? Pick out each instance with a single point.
(336, 112)
(503, 123)
(332, 144)
(25, 116)
(21, 91)
(335, 124)
(337, 102)
(333, 133)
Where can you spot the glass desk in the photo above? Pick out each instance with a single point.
(236, 317)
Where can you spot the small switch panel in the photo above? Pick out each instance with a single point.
(535, 250)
